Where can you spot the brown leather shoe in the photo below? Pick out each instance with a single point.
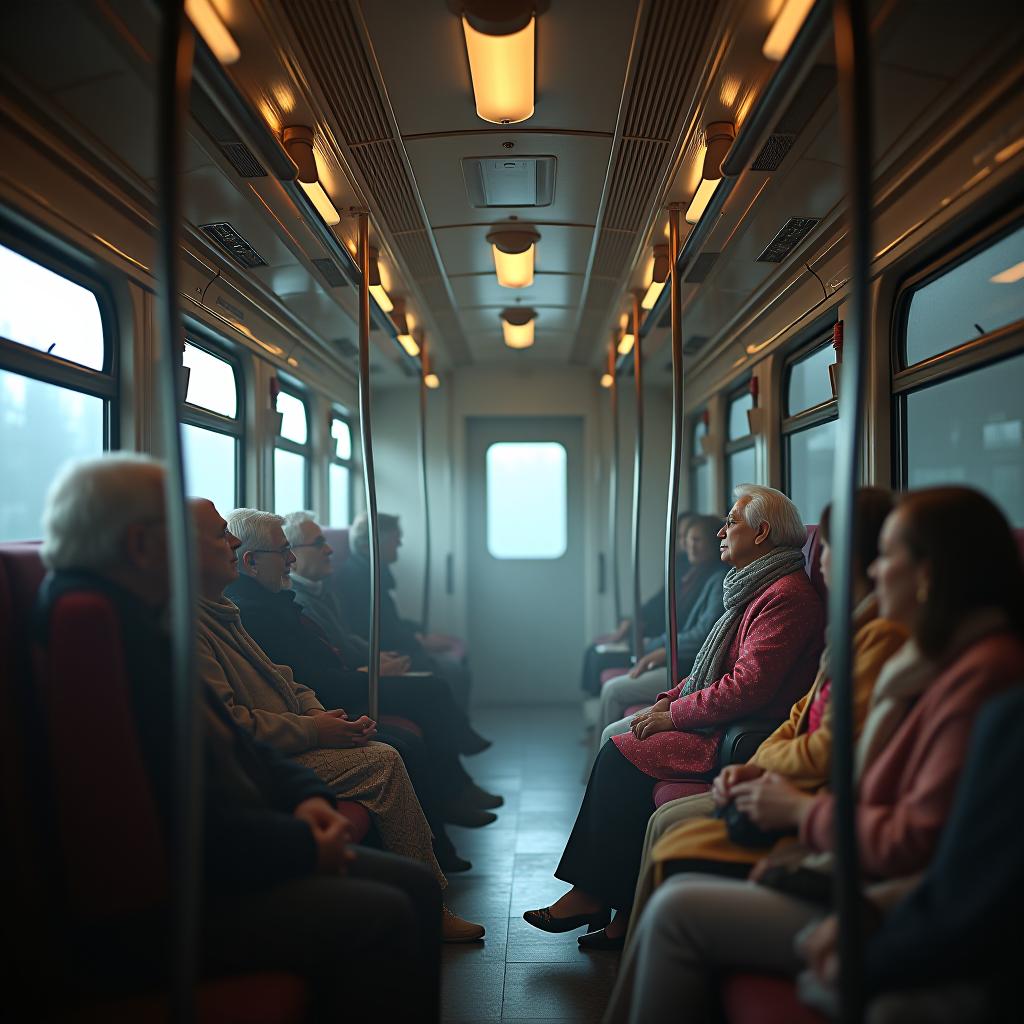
(455, 929)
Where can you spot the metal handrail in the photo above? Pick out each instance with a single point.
(425, 494)
(676, 342)
(174, 69)
(369, 478)
(613, 487)
(852, 46)
(638, 457)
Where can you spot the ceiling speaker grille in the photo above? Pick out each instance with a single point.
(228, 239)
(773, 152)
(790, 235)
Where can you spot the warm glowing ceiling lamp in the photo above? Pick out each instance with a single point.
(209, 24)
(500, 41)
(298, 143)
(660, 276)
(517, 326)
(788, 23)
(376, 288)
(718, 135)
(607, 380)
(514, 248)
(402, 328)
(432, 380)
(626, 344)
(1011, 275)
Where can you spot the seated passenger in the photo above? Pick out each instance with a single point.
(696, 615)
(265, 699)
(652, 613)
(962, 603)
(800, 749)
(273, 618)
(939, 947)
(761, 654)
(427, 651)
(281, 889)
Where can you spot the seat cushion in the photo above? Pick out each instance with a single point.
(613, 673)
(358, 815)
(665, 792)
(764, 999)
(406, 724)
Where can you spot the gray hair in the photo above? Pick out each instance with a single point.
(92, 502)
(293, 523)
(253, 528)
(785, 525)
(359, 531)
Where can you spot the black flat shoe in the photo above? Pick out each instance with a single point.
(480, 798)
(467, 817)
(598, 940)
(546, 922)
(473, 743)
(452, 863)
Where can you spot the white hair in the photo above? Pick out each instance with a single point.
(766, 505)
(253, 528)
(359, 531)
(293, 523)
(92, 502)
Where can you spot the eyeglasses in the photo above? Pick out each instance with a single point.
(283, 551)
(320, 542)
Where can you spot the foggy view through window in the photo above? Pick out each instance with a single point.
(526, 499)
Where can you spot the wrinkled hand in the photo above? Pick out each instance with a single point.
(648, 662)
(394, 664)
(333, 729)
(788, 856)
(771, 801)
(721, 788)
(332, 832)
(651, 722)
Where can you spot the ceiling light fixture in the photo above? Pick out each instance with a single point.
(517, 326)
(403, 328)
(718, 135)
(376, 288)
(298, 143)
(607, 380)
(788, 23)
(432, 380)
(626, 344)
(660, 276)
(209, 24)
(514, 247)
(500, 42)
(1011, 275)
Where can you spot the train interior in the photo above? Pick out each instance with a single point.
(520, 338)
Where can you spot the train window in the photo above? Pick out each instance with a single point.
(212, 430)
(339, 473)
(47, 312)
(526, 486)
(809, 430)
(969, 429)
(700, 469)
(42, 426)
(978, 295)
(291, 455)
(807, 383)
(740, 463)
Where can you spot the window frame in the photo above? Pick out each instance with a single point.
(295, 390)
(739, 444)
(203, 338)
(698, 459)
(806, 419)
(336, 413)
(21, 360)
(959, 361)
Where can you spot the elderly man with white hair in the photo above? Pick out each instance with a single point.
(282, 888)
(759, 657)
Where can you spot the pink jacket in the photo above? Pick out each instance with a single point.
(906, 794)
(771, 663)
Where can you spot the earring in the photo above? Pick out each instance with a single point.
(922, 593)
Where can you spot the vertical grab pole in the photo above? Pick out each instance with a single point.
(676, 341)
(613, 486)
(638, 456)
(366, 448)
(424, 491)
(174, 80)
(853, 67)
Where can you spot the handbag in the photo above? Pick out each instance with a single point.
(744, 832)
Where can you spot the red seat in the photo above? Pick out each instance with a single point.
(664, 792)
(406, 724)
(608, 674)
(764, 999)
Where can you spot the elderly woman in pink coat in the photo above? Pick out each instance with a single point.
(760, 656)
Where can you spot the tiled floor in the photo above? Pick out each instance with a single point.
(519, 973)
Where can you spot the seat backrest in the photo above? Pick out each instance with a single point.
(812, 562)
(337, 537)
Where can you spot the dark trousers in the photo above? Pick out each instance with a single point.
(604, 850)
(594, 664)
(368, 942)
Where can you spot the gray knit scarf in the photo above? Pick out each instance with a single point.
(739, 588)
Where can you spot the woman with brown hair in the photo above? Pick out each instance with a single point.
(963, 603)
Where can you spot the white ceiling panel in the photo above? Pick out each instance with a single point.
(546, 290)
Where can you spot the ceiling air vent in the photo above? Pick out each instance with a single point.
(813, 93)
(233, 244)
(701, 267)
(237, 153)
(773, 152)
(330, 272)
(790, 235)
(510, 181)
